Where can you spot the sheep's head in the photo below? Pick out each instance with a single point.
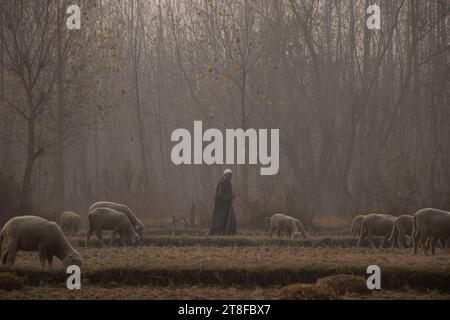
(132, 238)
(296, 235)
(73, 258)
(140, 230)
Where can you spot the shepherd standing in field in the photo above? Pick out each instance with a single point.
(224, 220)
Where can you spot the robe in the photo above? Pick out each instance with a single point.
(224, 219)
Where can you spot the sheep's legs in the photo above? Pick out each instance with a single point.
(88, 236)
(424, 243)
(401, 241)
(50, 260)
(370, 238)
(42, 257)
(271, 231)
(383, 243)
(415, 239)
(4, 253)
(11, 255)
(358, 244)
(98, 233)
(395, 240)
(433, 244)
(113, 237)
(3, 257)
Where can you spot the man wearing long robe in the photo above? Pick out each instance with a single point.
(224, 219)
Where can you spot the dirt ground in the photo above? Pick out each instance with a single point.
(190, 293)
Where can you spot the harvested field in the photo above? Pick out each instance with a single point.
(211, 269)
(239, 241)
(192, 292)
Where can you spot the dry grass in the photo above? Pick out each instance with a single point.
(328, 288)
(331, 223)
(142, 293)
(239, 241)
(199, 257)
(343, 284)
(207, 270)
(202, 293)
(9, 282)
(246, 266)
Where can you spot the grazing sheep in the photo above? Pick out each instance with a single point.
(280, 223)
(135, 222)
(429, 226)
(71, 223)
(30, 233)
(442, 243)
(109, 219)
(356, 225)
(300, 228)
(376, 225)
(401, 231)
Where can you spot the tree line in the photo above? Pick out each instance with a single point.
(363, 114)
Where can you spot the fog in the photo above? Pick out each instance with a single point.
(363, 115)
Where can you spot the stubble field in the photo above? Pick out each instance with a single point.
(244, 267)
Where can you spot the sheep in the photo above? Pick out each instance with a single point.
(135, 222)
(71, 223)
(31, 233)
(430, 226)
(376, 225)
(401, 231)
(282, 223)
(109, 219)
(300, 228)
(356, 225)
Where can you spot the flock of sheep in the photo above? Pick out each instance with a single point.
(31, 233)
(426, 228)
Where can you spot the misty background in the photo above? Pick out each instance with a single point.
(364, 116)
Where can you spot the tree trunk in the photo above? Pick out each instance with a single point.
(136, 63)
(25, 193)
(59, 174)
(159, 94)
(6, 123)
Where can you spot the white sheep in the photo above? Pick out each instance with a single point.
(430, 226)
(356, 225)
(71, 223)
(30, 233)
(376, 225)
(281, 223)
(401, 231)
(134, 220)
(109, 219)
